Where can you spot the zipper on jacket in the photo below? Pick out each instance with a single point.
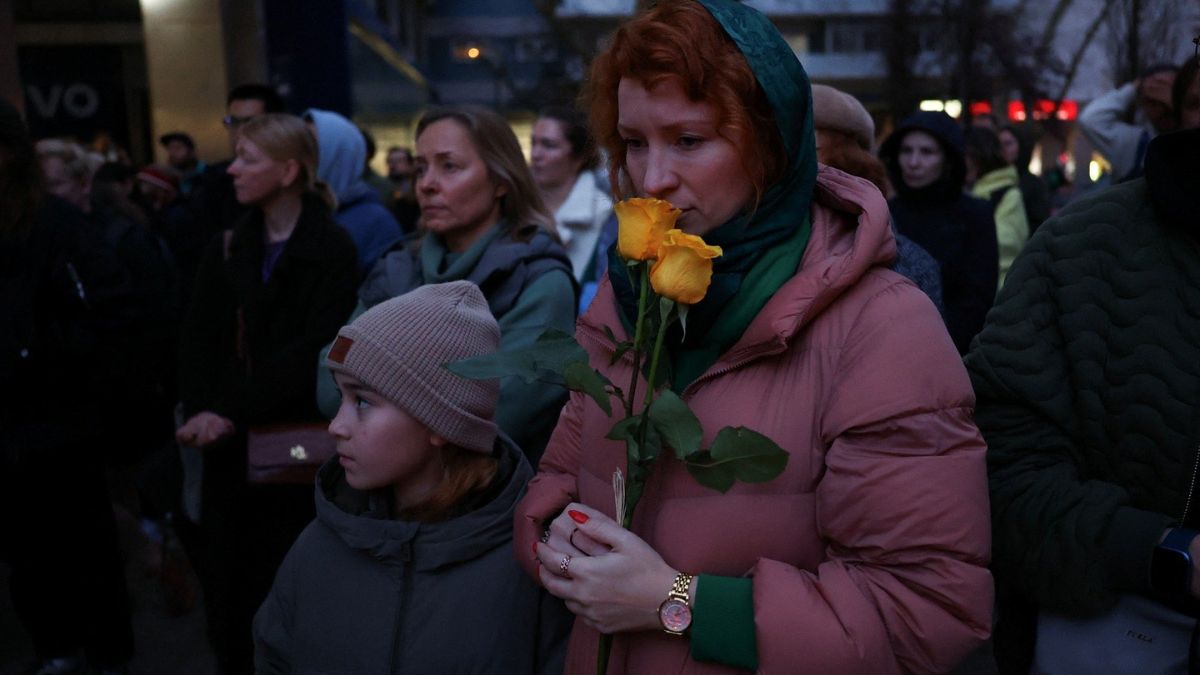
(628, 356)
(401, 607)
(712, 375)
(1187, 504)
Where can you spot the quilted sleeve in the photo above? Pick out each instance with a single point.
(902, 507)
(1062, 541)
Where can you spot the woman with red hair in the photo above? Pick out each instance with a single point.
(869, 553)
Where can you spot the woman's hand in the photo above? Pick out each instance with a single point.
(614, 581)
(566, 537)
(203, 428)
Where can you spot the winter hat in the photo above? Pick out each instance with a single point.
(399, 348)
(160, 177)
(836, 110)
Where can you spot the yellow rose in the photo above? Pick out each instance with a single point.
(684, 267)
(641, 224)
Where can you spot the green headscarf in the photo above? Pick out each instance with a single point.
(781, 220)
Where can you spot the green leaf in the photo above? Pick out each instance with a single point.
(582, 377)
(676, 423)
(553, 351)
(737, 453)
(624, 429)
(633, 495)
(619, 346)
(619, 352)
(639, 455)
(709, 474)
(683, 312)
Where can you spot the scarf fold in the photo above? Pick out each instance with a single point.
(782, 214)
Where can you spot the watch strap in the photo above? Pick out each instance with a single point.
(680, 588)
(1179, 539)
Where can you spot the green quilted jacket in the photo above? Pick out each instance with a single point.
(1087, 375)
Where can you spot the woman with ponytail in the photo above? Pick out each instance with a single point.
(268, 294)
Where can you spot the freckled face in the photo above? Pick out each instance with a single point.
(673, 152)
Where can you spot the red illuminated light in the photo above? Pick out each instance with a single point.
(1044, 109)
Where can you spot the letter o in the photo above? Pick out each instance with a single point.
(81, 100)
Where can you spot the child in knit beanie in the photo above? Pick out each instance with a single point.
(389, 367)
(409, 564)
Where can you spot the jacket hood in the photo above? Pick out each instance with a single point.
(342, 155)
(1173, 179)
(950, 136)
(362, 520)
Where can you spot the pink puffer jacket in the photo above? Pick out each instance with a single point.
(869, 553)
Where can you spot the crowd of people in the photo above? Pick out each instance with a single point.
(987, 395)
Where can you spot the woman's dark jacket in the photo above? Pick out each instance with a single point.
(1088, 384)
(955, 228)
(266, 375)
(65, 302)
(363, 593)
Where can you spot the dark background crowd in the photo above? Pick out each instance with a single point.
(111, 378)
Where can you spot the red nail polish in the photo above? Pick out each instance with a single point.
(578, 516)
(535, 547)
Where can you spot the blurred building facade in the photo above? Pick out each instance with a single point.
(137, 68)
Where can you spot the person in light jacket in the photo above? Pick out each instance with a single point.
(562, 160)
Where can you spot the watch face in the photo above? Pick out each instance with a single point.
(675, 615)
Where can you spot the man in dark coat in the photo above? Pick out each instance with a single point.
(1088, 383)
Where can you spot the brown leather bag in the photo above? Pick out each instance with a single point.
(287, 454)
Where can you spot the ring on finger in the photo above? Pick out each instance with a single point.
(564, 564)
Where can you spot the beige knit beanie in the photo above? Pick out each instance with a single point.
(399, 348)
(836, 110)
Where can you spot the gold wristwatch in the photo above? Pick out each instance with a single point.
(675, 613)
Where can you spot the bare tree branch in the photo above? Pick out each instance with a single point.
(1083, 46)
